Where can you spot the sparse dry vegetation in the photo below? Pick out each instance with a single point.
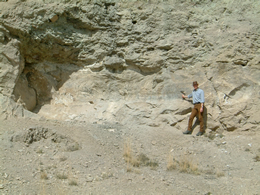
(62, 176)
(73, 183)
(128, 155)
(171, 163)
(137, 161)
(145, 161)
(73, 147)
(220, 174)
(63, 158)
(212, 136)
(44, 175)
(106, 175)
(257, 158)
(39, 151)
(184, 165)
(187, 165)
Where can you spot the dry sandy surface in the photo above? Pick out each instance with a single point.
(54, 157)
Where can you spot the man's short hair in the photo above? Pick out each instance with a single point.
(195, 83)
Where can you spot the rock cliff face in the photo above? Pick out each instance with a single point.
(127, 61)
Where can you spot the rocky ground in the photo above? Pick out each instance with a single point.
(55, 157)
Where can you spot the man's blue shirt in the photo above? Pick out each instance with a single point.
(197, 96)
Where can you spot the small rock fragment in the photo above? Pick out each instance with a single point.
(89, 178)
(54, 18)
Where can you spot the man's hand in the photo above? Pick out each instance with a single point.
(201, 107)
(183, 96)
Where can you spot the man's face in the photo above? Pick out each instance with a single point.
(195, 86)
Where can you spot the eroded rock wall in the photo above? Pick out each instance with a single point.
(127, 61)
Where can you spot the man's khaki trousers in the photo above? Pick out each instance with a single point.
(196, 111)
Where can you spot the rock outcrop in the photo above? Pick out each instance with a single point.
(126, 62)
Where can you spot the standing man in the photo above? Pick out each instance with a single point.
(198, 102)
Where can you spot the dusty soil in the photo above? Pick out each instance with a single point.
(54, 157)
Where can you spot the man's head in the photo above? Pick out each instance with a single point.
(195, 84)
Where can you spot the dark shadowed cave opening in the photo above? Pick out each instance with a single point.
(37, 82)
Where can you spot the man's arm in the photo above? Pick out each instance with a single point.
(188, 96)
(184, 96)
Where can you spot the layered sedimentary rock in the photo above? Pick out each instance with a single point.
(127, 61)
